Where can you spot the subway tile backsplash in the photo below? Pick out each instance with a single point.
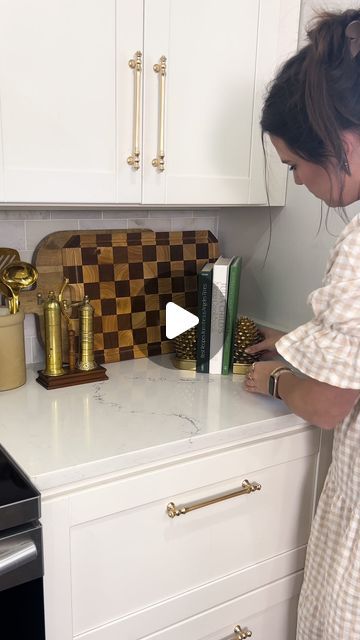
(23, 230)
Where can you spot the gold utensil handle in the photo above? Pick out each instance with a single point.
(14, 302)
(246, 487)
(159, 161)
(135, 63)
(7, 256)
(241, 634)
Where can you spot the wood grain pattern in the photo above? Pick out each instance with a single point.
(71, 378)
(129, 276)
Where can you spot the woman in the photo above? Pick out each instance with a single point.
(312, 115)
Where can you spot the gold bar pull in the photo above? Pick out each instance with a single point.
(135, 63)
(241, 634)
(246, 487)
(159, 161)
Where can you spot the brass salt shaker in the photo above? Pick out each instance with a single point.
(53, 342)
(86, 336)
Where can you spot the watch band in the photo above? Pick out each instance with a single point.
(274, 380)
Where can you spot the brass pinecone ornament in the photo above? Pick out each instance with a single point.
(246, 334)
(185, 349)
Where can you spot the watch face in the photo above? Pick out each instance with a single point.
(271, 385)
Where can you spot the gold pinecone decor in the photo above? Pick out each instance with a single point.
(185, 350)
(246, 334)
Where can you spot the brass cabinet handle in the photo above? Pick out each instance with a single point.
(135, 63)
(241, 634)
(159, 161)
(246, 487)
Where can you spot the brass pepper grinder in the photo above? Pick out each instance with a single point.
(66, 311)
(86, 336)
(53, 342)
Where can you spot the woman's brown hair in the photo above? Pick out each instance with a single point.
(315, 97)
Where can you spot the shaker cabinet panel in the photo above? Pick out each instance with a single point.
(269, 612)
(72, 110)
(117, 566)
(61, 65)
(219, 58)
(211, 58)
(147, 557)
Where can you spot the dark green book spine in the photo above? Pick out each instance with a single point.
(205, 278)
(231, 314)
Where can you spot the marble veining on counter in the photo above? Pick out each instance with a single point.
(146, 412)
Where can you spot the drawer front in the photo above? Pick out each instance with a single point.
(268, 612)
(141, 557)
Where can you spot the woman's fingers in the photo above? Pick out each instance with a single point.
(264, 345)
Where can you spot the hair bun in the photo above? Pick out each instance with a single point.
(334, 36)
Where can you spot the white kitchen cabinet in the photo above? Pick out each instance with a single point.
(220, 56)
(116, 564)
(68, 99)
(269, 612)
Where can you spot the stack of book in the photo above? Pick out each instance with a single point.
(218, 295)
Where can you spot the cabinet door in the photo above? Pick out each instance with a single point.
(67, 100)
(219, 57)
(269, 612)
(127, 533)
(266, 613)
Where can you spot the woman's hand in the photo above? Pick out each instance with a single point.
(266, 346)
(257, 380)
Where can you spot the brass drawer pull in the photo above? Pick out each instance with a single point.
(134, 159)
(246, 487)
(241, 634)
(159, 161)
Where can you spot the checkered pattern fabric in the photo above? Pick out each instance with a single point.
(328, 349)
(129, 278)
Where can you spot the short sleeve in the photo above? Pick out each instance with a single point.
(328, 347)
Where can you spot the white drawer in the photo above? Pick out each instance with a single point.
(136, 556)
(268, 612)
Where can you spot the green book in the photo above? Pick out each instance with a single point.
(205, 278)
(231, 314)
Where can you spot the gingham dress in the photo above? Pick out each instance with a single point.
(328, 349)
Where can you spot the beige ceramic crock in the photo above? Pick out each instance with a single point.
(12, 351)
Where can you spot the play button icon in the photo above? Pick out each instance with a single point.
(178, 320)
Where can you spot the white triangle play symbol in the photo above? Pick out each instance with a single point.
(178, 320)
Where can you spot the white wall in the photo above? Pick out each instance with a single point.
(276, 293)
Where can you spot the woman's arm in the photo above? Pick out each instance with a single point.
(319, 403)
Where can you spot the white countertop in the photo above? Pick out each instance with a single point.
(146, 412)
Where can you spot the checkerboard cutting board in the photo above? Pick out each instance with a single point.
(129, 277)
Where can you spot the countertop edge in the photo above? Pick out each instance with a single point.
(79, 476)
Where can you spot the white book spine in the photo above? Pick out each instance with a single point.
(218, 316)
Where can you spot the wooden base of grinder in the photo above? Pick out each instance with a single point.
(71, 378)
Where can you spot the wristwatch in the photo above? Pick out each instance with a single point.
(274, 380)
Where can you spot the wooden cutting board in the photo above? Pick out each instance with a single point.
(129, 276)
